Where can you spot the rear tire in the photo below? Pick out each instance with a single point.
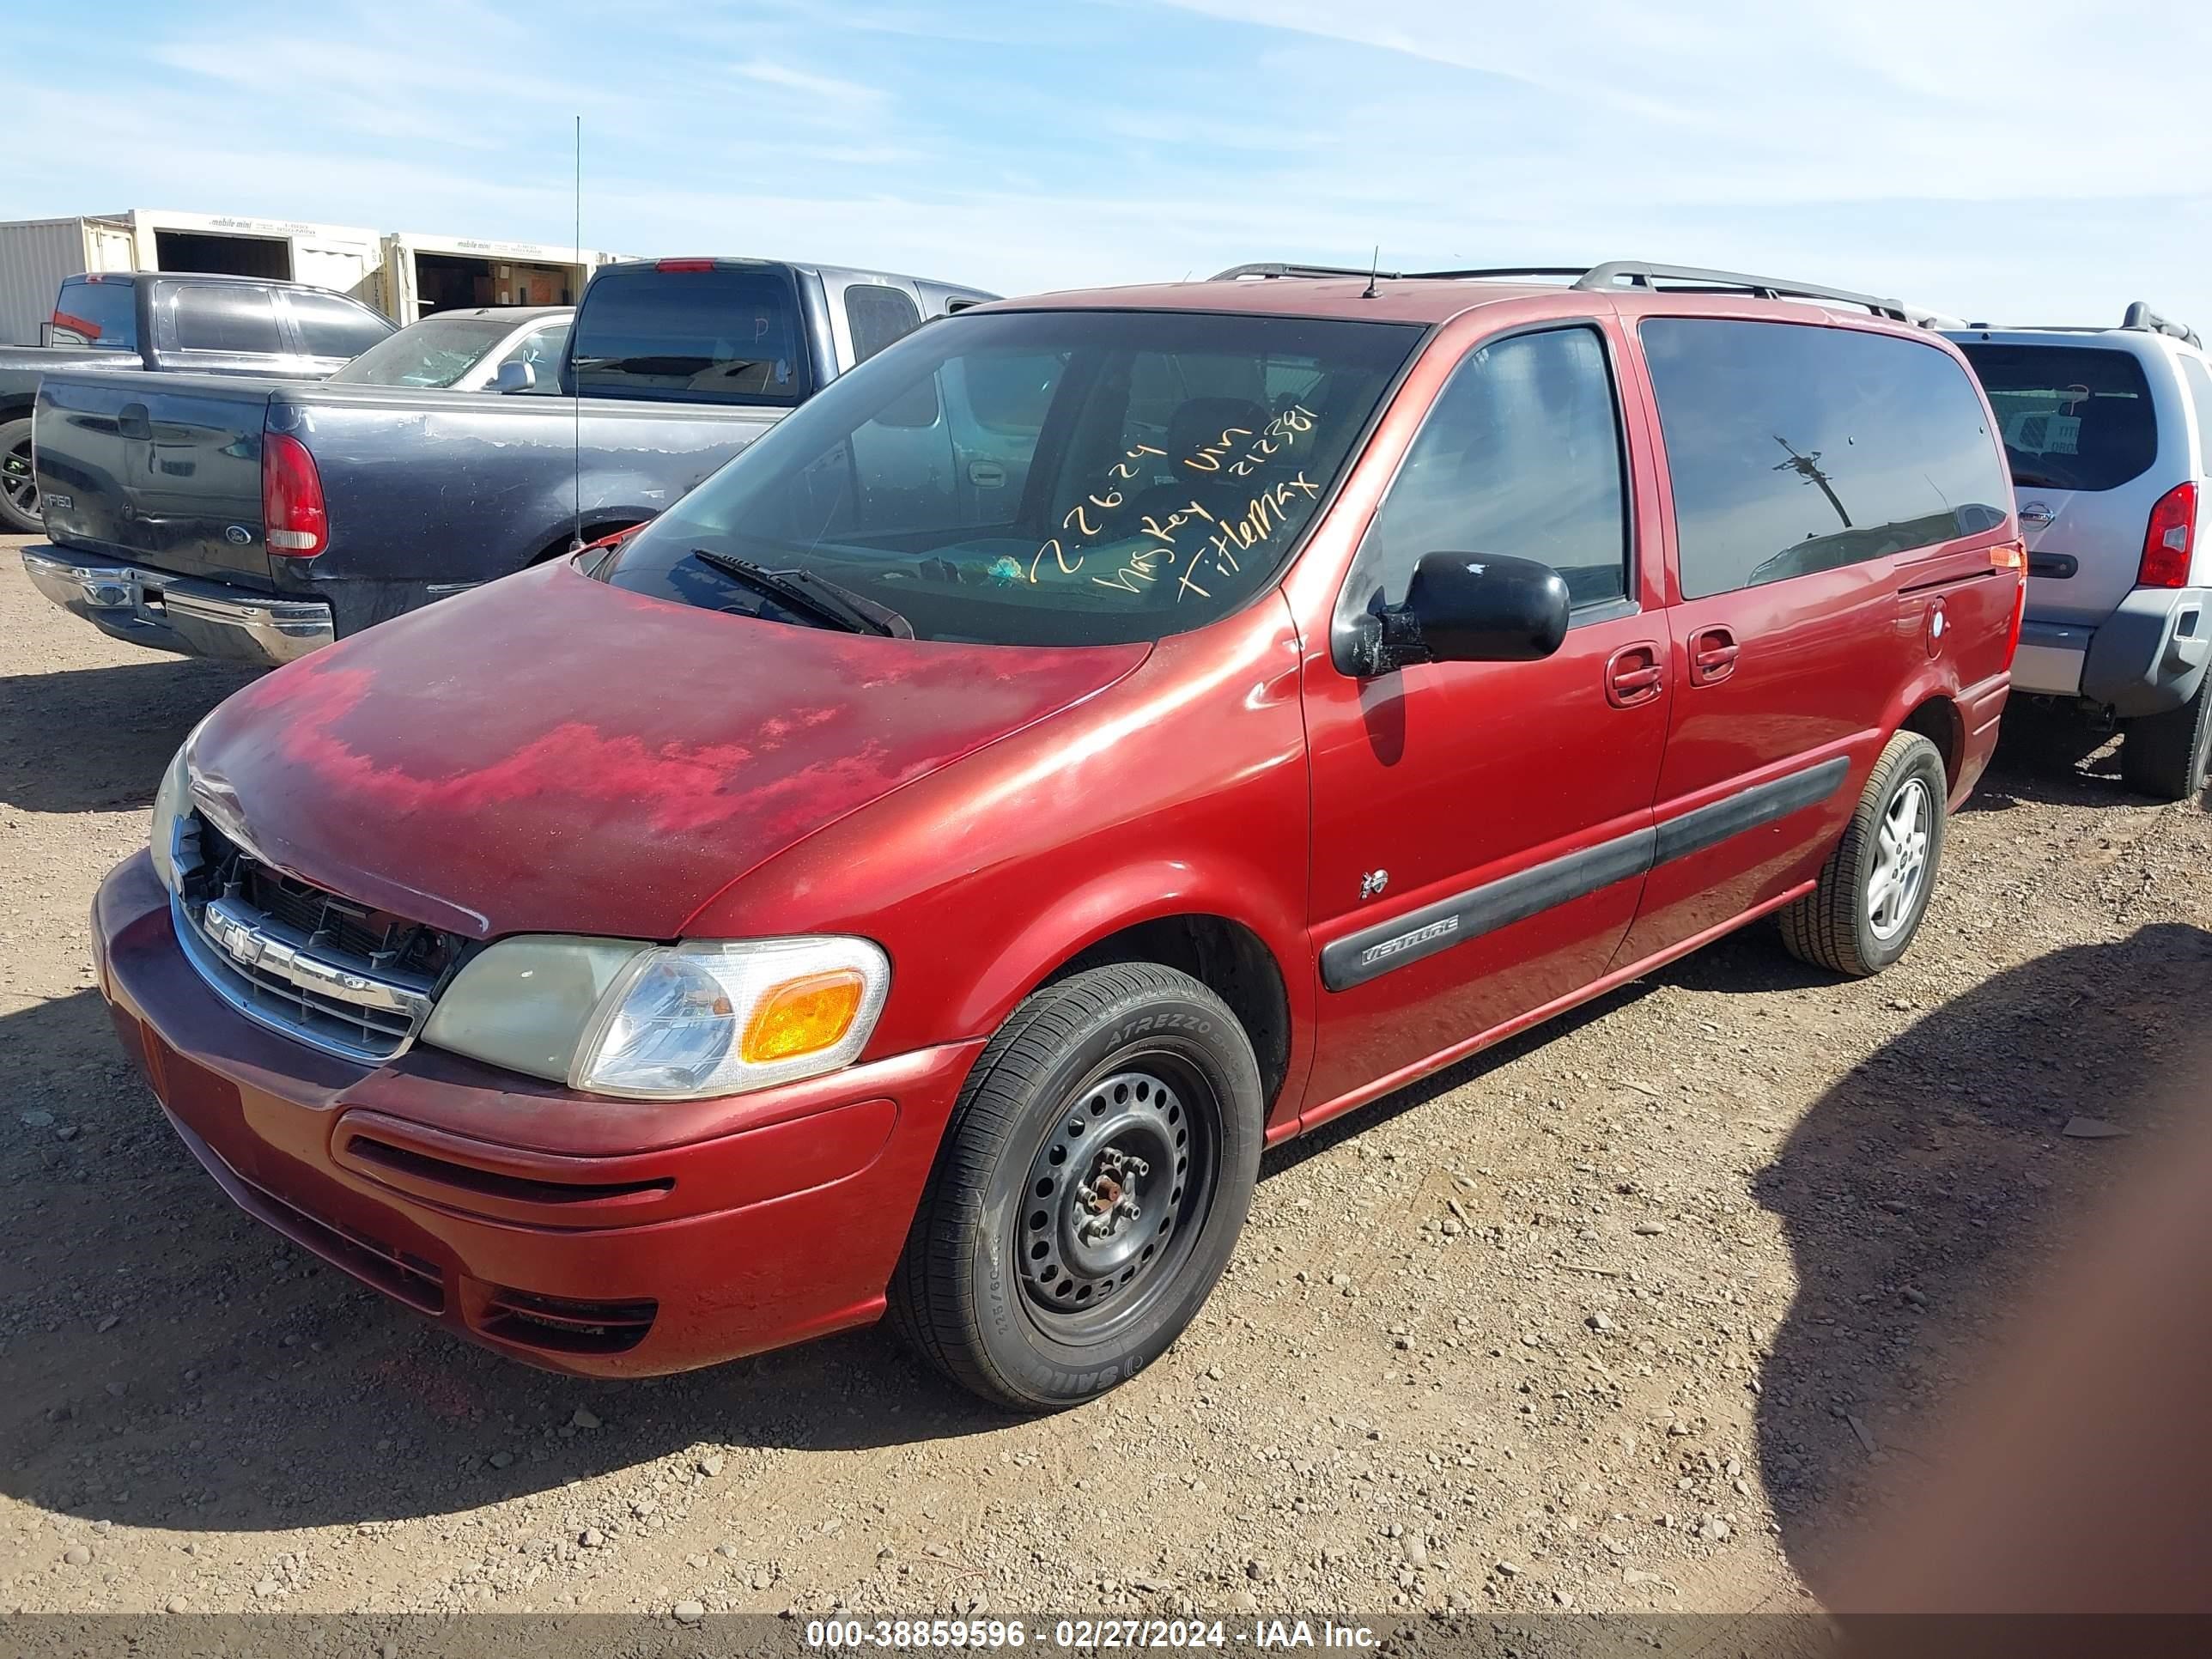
(1089, 1190)
(1875, 888)
(19, 489)
(2165, 756)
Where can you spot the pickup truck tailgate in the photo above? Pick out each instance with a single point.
(162, 470)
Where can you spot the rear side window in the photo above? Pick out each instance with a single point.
(103, 315)
(1520, 456)
(1795, 449)
(2073, 417)
(329, 327)
(2198, 379)
(878, 315)
(715, 336)
(206, 318)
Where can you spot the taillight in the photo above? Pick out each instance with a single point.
(2167, 542)
(2013, 557)
(294, 522)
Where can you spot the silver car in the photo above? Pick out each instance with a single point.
(477, 349)
(2108, 433)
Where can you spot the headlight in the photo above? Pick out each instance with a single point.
(171, 802)
(611, 1016)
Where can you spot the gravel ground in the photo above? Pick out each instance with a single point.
(1634, 1313)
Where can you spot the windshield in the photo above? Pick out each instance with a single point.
(435, 352)
(1041, 477)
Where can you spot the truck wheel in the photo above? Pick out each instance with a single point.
(1089, 1190)
(2164, 754)
(19, 490)
(1875, 888)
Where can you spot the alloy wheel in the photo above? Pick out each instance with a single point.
(1900, 863)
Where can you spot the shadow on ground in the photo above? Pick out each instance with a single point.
(1929, 1190)
(98, 739)
(173, 1363)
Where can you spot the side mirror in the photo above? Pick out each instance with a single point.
(1462, 607)
(514, 375)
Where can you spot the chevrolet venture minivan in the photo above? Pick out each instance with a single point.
(1101, 736)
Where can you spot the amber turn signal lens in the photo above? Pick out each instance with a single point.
(802, 1017)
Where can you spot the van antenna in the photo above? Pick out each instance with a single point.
(1373, 271)
(576, 427)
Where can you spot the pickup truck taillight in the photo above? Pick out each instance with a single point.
(2168, 542)
(294, 523)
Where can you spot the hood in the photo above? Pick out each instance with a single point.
(548, 754)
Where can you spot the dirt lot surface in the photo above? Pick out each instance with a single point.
(1636, 1313)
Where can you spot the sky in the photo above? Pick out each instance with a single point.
(2019, 162)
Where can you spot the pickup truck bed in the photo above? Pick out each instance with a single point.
(154, 493)
(258, 519)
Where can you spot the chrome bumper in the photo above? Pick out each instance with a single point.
(179, 613)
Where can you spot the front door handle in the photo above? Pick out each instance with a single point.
(1633, 675)
(131, 421)
(1712, 656)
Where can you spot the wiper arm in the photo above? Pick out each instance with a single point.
(797, 590)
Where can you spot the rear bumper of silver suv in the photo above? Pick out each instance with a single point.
(179, 613)
(2148, 656)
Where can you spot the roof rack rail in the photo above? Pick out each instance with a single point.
(2140, 315)
(1275, 268)
(1636, 273)
(1614, 275)
(1479, 271)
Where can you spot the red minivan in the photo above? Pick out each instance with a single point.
(1099, 737)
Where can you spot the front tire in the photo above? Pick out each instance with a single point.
(1875, 888)
(19, 488)
(1091, 1186)
(2166, 756)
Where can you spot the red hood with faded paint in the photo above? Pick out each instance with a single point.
(551, 754)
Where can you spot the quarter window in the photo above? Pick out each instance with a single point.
(242, 320)
(1520, 455)
(1795, 449)
(333, 328)
(878, 315)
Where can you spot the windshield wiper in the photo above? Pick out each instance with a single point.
(802, 590)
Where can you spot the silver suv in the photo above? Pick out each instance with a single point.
(2108, 433)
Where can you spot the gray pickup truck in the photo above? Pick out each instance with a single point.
(138, 321)
(258, 520)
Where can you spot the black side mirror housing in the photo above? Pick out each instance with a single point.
(1462, 607)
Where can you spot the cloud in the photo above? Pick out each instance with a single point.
(2006, 159)
(847, 95)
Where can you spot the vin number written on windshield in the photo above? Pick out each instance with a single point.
(1192, 542)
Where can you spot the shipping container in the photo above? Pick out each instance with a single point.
(36, 254)
(422, 274)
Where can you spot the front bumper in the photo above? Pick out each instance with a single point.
(179, 613)
(596, 1236)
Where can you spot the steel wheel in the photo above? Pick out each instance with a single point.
(1089, 1190)
(1900, 860)
(1114, 1195)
